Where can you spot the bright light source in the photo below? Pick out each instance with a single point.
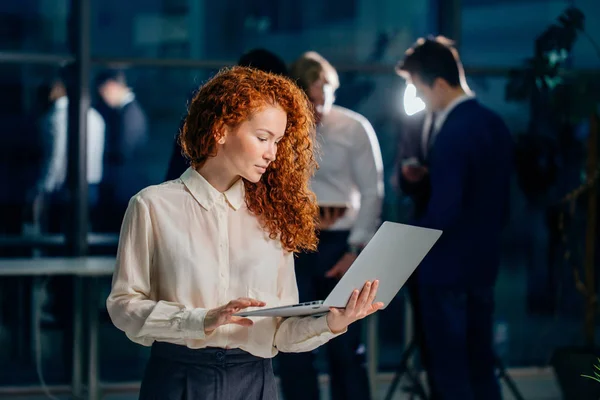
(412, 103)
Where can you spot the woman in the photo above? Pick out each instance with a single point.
(196, 250)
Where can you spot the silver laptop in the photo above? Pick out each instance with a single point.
(391, 256)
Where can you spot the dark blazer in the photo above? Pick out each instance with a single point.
(127, 134)
(470, 167)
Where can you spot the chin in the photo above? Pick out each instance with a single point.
(254, 178)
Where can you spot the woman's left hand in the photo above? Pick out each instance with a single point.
(359, 306)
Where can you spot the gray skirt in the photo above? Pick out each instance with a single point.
(179, 373)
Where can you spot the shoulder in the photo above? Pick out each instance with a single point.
(354, 124)
(347, 116)
(134, 109)
(489, 120)
(471, 117)
(477, 112)
(95, 116)
(166, 192)
(56, 115)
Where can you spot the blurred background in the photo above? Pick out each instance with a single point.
(535, 62)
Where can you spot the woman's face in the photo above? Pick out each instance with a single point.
(250, 147)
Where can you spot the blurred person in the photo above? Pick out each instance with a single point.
(49, 190)
(49, 196)
(259, 58)
(127, 134)
(196, 250)
(350, 173)
(469, 155)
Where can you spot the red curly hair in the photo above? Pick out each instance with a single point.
(282, 200)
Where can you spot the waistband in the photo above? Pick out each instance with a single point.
(204, 356)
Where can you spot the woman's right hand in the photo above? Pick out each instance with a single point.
(224, 315)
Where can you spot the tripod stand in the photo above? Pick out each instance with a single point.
(417, 388)
(502, 374)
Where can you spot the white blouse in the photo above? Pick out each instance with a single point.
(186, 248)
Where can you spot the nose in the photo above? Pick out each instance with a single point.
(271, 153)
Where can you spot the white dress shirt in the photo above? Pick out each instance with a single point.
(54, 168)
(350, 171)
(186, 248)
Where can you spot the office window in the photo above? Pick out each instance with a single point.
(34, 25)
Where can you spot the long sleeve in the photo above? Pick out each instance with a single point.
(130, 302)
(96, 130)
(367, 171)
(297, 334)
(133, 133)
(447, 182)
(54, 164)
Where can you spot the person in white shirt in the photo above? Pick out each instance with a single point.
(350, 175)
(50, 186)
(196, 250)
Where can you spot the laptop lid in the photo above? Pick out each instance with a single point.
(391, 256)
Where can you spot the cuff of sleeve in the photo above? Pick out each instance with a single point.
(322, 327)
(192, 323)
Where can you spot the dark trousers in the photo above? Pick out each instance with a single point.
(346, 354)
(177, 372)
(458, 327)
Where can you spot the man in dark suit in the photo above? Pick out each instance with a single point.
(261, 59)
(126, 135)
(469, 155)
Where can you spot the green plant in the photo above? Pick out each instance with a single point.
(596, 376)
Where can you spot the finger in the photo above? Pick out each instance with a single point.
(373, 292)
(375, 307)
(241, 321)
(336, 311)
(239, 302)
(352, 302)
(338, 213)
(326, 213)
(364, 295)
(333, 272)
(244, 302)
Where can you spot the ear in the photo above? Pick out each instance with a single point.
(221, 137)
(440, 83)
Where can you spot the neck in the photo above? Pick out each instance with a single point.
(217, 174)
(453, 94)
